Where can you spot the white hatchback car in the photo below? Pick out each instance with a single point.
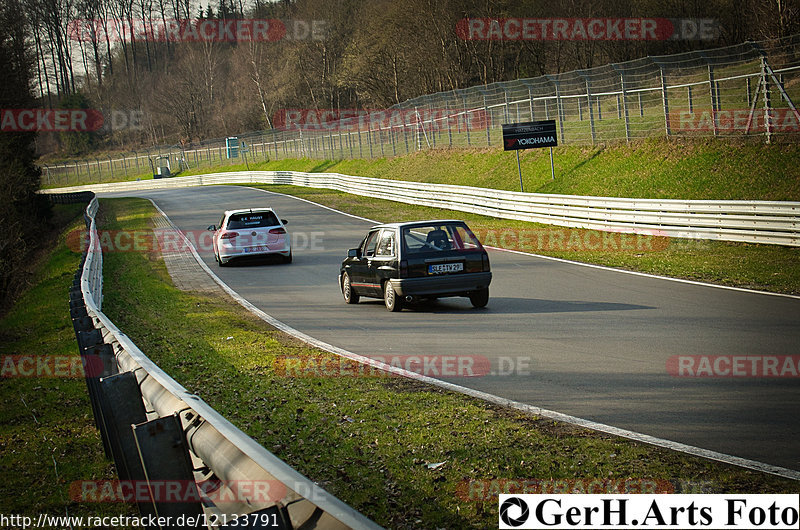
(249, 233)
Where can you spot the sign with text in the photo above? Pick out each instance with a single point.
(529, 135)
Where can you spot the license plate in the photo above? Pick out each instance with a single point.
(255, 249)
(444, 268)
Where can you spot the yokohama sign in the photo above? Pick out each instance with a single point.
(529, 135)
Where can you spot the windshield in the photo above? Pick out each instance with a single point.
(252, 220)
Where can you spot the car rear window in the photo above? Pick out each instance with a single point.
(252, 220)
(439, 238)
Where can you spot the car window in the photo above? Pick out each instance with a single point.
(369, 244)
(439, 237)
(386, 244)
(221, 221)
(252, 220)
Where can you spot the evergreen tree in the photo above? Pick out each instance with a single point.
(23, 213)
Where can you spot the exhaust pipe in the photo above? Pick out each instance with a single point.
(409, 298)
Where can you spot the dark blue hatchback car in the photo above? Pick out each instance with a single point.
(404, 262)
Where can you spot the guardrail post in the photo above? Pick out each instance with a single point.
(164, 454)
(123, 407)
(589, 105)
(559, 106)
(767, 101)
(624, 96)
(714, 102)
(748, 94)
(419, 123)
(350, 142)
(87, 341)
(489, 122)
(466, 119)
(105, 352)
(665, 101)
(506, 111)
(434, 127)
(530, 102)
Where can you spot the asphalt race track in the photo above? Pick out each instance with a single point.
(583, 341)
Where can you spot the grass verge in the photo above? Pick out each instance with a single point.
(47, 434)
(765, 267)
(371, 441)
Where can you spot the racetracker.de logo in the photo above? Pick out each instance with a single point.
(50, 120)
(736, 120)
(346, 120)
(47, 366)
(573, 240)
(489, 489)
(587, 29)
(737, 366)
(166, 491)
(196, 30)
(421, 365)
(169, 241)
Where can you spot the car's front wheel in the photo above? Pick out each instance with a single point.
(480, 297)
(393, 302)
(350, 296)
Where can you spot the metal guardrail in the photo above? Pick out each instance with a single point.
(157, 432)
(771, 222)
(71, 198)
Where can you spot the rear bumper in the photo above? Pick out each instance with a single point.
(231, 253)
(448, 285)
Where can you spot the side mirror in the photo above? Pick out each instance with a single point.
(213, 228)
(284, 221)
(353, 253)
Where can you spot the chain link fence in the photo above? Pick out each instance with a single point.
(747, 90)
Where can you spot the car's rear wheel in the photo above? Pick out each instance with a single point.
(288, 259)
(350, 296)
(480, 297)
(393, 302)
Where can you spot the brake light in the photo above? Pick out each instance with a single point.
(486, 262)
(278, 231)
(403, 268)
(229, 235)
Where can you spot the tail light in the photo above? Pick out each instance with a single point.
(229, 235)
(486, 262)
(278, 231)
(403, 268)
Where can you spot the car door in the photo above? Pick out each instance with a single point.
(361, 277)
(384, 264)
(215, 236)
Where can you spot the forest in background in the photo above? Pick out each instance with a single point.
(375, 53)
